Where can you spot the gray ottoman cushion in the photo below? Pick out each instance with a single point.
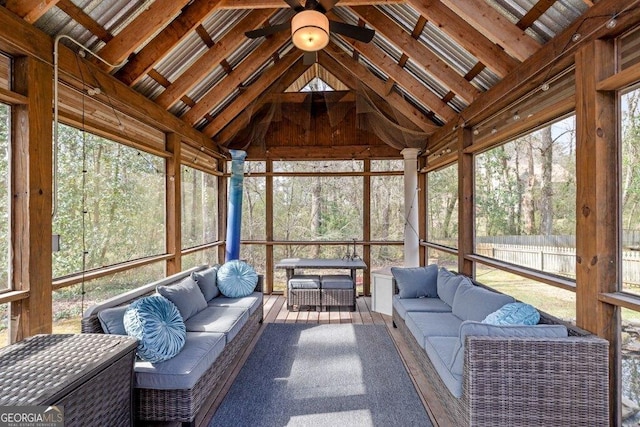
(337, 281)
(304, 281)
(424, 325)
(432, 305)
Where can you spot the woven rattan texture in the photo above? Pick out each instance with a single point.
(298, 297)
(338, 298)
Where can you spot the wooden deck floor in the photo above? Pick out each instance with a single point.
(275, 311)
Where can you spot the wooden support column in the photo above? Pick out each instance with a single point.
(222, 207)
(597, 224)
(269, 226)
(366, 226)
(174, 204)
(31, 161)
(422, 209)
(466, 217)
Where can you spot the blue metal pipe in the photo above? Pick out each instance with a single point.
(234, 211)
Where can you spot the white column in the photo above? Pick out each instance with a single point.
(411, 238)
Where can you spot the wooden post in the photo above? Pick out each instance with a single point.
(31, 182)
(597, 224)
(222, 207)
(174, 204)
(269, 226)
(466, 217)
(366, 226)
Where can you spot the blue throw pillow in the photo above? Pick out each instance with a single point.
(515, 313)
(206, 280)
(237, 279)
(416, 282)
(156, 323)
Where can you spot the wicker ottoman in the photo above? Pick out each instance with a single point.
(338, 290)
(303, 290)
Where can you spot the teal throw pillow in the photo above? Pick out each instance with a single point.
(515, 313)
(156, 323)
(237, 279)
(416, 282)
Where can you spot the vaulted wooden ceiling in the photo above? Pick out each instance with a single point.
(430, 59)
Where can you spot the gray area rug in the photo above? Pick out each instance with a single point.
(322, 375)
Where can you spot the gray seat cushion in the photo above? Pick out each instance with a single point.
(424, 325)
(251, 302)
(200, 351)
(434, 305)
(304, 281)
(225, 320)
(472, 302)
(440, 351)
(336, 281)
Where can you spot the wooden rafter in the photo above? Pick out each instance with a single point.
(342, 66)
(154, 18)
(277, 87)
(403, 78)
(534, 13)
(78, 15)
(466, 35)
(188, 21)
(235, 78)
(438, 69)
(495, 26)
(30, 10)
(267, 4)
(212, 58)
(252, 92)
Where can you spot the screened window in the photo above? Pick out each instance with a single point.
(5, 206)
(442, 206)
(630, 191)
(387, 208)
(199, 207)
(525, 193)
(123, 195)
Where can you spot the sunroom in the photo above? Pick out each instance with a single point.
(496, 139)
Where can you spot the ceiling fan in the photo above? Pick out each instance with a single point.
(310, 27)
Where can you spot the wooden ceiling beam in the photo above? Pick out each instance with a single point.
(212, 58)
(235, 78)
(268, 4)
(252, 92)
(343, 66)
(187, 22)
(435, 66)
(466, 35)
(150, 21)
(79, 15)
(403, 78)
(30, 10)
(495, 26)
(554, 57)
(534, 13)
(332, 152)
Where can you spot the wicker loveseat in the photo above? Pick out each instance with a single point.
(184, 387)
(547, 374)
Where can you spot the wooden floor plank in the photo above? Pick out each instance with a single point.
(364, 311)
(323, 317)
(345, 315)
(272, 314)
(314, 317)
(377, 317)
(303, 317)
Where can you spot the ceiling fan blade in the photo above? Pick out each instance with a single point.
(310, 58)
(327, 5)
(265, 31)
(295, 5)
(352, 31)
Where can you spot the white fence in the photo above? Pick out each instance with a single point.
(555, 260)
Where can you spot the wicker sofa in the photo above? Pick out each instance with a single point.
(547, 374)
(184, 387)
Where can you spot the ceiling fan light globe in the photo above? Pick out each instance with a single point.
(310, 30)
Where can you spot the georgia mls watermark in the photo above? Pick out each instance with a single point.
(31, 416)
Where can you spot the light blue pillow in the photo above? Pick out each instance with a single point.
(112, 320)
(237, 279)
(156, 323)
(416, 282)
(515, 313)
(186, 295)
(206, 280)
